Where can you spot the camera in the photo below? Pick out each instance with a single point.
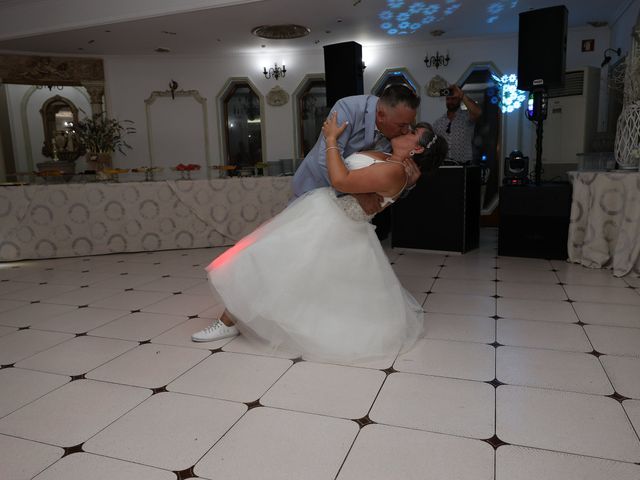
(445, 92)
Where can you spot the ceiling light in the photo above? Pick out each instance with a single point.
(162, 50)
(598, 24)
(281, 32)
(437, 33)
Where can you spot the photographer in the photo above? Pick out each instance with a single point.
(457, 126)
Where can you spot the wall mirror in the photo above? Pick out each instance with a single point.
(310, 111)
(479, 83)
(392, 76)
(25, 135)
(59, 117)
(242, 110)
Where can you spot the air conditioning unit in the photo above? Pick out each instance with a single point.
(571, 123)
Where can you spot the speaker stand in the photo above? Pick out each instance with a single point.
(539, 129)
(537, 113)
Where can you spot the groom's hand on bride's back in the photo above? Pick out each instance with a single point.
(371, 203)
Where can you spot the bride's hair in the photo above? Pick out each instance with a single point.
(435, 149)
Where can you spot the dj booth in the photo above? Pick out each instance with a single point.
(441, 213)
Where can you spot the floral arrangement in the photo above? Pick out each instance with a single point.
(181, 167)
(100, 134)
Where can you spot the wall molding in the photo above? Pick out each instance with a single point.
(172, 94)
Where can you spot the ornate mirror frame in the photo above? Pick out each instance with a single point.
(65, 71)
(70, 150)
(309, 80)
(48, 71)
(223, 131)
(395, 75)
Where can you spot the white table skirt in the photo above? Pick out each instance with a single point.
(605, 221)
(48, 221)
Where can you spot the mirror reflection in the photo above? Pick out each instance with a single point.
(393, 76)
(478, 82)
(59, 116)
(313, 110)
(243, 130)
(41, 98)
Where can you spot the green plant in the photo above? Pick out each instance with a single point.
(100, 134)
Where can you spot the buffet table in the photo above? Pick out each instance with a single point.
(605, 221)
(64, 220)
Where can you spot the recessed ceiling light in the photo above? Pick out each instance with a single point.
(167, 32)
(437, 33)
(598, 24)
(162, 50)
(281, 32)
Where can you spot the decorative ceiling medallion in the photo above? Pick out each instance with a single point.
(281, 32)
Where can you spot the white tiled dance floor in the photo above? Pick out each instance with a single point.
(529, 370)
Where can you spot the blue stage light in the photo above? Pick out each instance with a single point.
(402, 18)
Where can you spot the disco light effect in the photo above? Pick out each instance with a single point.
(404, 18)
(508, 96)
(496, 8)
(232, 252)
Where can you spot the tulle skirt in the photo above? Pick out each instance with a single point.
(316, 281)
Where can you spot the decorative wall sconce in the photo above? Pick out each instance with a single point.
(275, 72)
(436, 60)
(607, 58)
(173, 86)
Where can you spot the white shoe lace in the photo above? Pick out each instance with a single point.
(217, 325)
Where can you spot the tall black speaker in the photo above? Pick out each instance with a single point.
(542, 48)
(343, 71)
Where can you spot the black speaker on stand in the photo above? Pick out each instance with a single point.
(542, 55)
(343, 71)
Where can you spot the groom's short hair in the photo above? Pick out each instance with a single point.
(396, 93)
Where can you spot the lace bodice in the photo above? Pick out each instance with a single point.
(352, 208)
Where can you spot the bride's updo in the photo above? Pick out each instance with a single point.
(435, 149)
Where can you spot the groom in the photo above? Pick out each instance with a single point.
(372, 121)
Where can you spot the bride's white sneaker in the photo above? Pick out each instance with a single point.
(216, 331)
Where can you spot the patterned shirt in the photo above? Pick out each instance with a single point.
(458, 133)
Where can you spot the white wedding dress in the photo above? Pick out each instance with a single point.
(315, 280)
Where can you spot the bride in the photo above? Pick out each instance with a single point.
(314, 279)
